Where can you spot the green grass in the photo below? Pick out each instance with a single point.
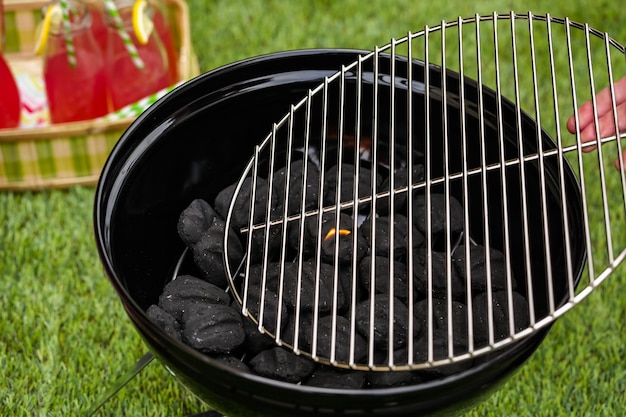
(64, 336)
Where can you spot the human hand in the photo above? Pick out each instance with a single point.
(606, 123)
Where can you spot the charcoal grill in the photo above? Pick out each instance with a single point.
(456, 99)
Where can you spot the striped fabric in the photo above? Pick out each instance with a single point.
(54, 162)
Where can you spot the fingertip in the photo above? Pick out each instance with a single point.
(587, 136)
(571, 125)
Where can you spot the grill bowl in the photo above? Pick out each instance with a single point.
(193, 143)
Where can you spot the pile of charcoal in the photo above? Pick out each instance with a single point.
(324, 274)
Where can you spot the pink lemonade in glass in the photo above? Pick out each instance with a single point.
(98, 26)
(128, 83)
(75, 92)
(9, 98)
(164, 29)
(9, 94)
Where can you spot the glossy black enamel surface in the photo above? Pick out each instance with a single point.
(196, 141)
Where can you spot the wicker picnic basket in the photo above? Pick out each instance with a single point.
(66, 154)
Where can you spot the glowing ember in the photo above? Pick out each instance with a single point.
(332, 232)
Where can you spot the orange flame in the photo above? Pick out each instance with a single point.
(332, 232)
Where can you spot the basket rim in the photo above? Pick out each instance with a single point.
(63, 130)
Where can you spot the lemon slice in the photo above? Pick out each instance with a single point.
(142, 24)
(52, 18)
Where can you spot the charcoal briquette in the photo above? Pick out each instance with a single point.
(296, 182)
(299, 240)
(304, 325)
(441, 320)
(327, 280)
(440, 351)
(381, 276)
(196, 219)
(396, 378)
(342, 253)
(499, 304)
(478, 268)
(213, 328)
(331, 377)
(208, 257)
(342, 330)
(165, 321)
(233, 362)
(329, 233)
(241, 210)
(348, 178)
(382, 238)
(186, 292)
(279, 363)
(261, 248)
(438, 216)
(421, 351)
(270, 308)
(255, 340)
(439, 272)
(346, 279)
(400, 180)
(306, 286)
(381, 309)
(208, 252)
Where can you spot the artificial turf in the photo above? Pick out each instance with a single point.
(64, 336)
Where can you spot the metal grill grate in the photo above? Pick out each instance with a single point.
(426, 205)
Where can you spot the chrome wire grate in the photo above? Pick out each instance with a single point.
(427, 204)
